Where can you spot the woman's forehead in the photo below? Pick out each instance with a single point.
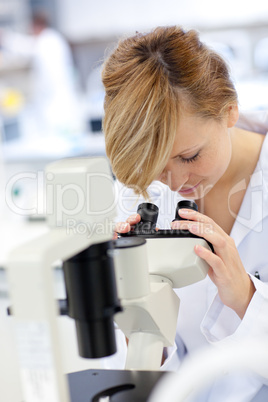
(192, 132)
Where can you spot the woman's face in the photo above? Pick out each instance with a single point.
(200, 156)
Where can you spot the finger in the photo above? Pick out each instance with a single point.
(182, 225)
(201, 227)
(219, 240)
(122, 227)
(133, 219)
(213, 260)
(208, 232)
(193, 215)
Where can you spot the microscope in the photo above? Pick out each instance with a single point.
(80, 210)
(149, 263)
(129, 281)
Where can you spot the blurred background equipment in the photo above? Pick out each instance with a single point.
(52, 50)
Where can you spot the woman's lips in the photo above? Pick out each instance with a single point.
(188, 190)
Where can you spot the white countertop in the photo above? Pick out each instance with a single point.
(52, 148)
(15, 232)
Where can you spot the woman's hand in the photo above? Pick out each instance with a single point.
(125, 227)
(226, 269)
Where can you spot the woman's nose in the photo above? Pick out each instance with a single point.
(165, 177)
(172, 180)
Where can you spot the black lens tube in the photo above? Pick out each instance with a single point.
(92, 299)
(189, 204)
(149, 215)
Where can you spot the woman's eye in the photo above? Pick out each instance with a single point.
(192, 159)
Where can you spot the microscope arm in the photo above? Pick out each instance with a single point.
(79, 192)
(150, 306)
(150, 325)
(35, 310)
(146, 273)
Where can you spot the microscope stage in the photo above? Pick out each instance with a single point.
(115, 385)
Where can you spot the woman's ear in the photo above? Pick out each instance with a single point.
(233, 115)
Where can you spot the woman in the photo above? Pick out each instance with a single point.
(171, 115)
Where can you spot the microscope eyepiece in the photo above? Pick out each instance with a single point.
(189, 204)
(148, 212)
(149, 215)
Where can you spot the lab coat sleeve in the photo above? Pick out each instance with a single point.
(222, 327)
(221, 324)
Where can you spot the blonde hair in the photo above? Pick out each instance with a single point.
(148, 80)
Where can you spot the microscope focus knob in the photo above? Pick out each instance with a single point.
(189, 204)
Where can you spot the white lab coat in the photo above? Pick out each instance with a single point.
(54, 95)
(203, 319)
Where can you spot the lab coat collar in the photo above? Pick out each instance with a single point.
(254, 207)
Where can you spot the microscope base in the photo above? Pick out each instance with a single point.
(120, 385)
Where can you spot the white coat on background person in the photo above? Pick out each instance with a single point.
(54, 90)
(203, 319)
(54, 95)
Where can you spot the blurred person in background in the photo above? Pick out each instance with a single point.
(54, 86)
(53, 93)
